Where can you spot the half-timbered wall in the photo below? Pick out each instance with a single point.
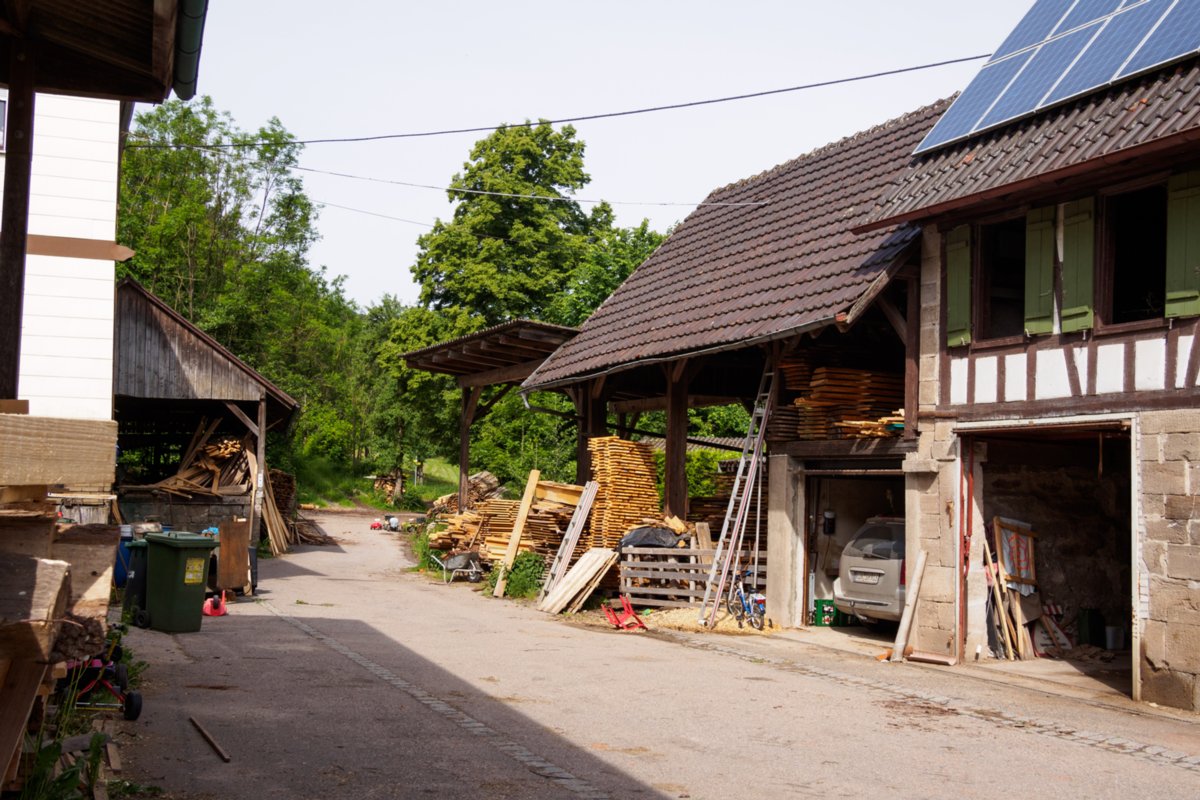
(67, 319)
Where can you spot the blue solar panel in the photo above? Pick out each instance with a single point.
(1066, 48)
(1177, 34)
(1086, 11)
(1038, 23)
(1048, 63)
(963, 115)
(1108, 52)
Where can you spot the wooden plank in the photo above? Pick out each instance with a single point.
(233, 556)
(91, 550)
(14, 406)
(591, 566)
(575, 527)
(34, 599)
(910, 603)
(17, 693)
(998, 600)
(514, 540)
(50, 450)
(565, 493)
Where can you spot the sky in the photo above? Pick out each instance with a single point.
(362, 68)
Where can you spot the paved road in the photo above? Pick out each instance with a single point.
(352, 677)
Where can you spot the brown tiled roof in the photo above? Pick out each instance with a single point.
(737, 274)
(1138, 117)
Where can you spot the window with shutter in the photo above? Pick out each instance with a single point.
(1183, 245)
(1039, 271)
(958, 286)
(1078, 265)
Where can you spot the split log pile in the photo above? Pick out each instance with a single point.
(309, 532)
(628, 494)
(283, 486)
(219, 468)
(480, 486)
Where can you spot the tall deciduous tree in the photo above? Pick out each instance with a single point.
(504, 254)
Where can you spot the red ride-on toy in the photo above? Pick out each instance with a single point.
(102, 682)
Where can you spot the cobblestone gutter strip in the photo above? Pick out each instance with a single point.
(1115, 744)
(514, 750)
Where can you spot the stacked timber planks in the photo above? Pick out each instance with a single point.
(839, 400)
(628, 493)
(489, 527)
(481, 486)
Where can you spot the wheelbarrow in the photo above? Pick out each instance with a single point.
(464, 564)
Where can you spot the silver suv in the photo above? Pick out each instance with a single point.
(870, 582)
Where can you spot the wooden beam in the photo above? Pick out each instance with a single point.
(912, 360)
(14, 218)
(73, 247)
(514, 541)
(899, 324)
(487, 407)
(256, 513)
(49, 450)
(470, 402)
(645, 404)
(598, 387)
(675, 474)
(507, 374)
(237, 412)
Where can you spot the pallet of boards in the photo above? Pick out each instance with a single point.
(628, 489)
(570, 593)
(673, 577)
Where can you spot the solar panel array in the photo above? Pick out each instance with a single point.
(1062, 49)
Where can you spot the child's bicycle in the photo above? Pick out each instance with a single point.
(746, 606)
(102, 681)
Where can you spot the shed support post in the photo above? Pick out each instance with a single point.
(470, 402)
(912, 355)
(592, 413)
(675, 489)
(14, 220)
(261, 455)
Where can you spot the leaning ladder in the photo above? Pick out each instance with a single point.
(736, 513)
(562, 558)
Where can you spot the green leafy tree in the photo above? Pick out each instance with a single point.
(505, 254)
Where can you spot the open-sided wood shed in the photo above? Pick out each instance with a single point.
(170, 375)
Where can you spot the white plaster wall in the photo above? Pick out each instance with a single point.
(1051, 375)
(67, 319)
(1014, 377)
(1110, 368)
(1149, 360)
(1186, 343)
(987, 375)
(958, 381)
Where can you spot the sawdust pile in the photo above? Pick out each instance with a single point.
(687, 619)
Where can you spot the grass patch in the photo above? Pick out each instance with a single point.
(441, 478)
(325, 483)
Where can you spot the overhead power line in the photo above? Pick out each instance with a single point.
(373, 214)
(554, 198)
(583, 118)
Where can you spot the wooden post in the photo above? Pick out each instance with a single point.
(591, 407)
(910, 604)
(514, 541)
(470, 402)
(260, 484)
(912, 359)
(14, 220)
(675, 473)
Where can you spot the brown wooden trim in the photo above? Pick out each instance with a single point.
(1073, 370)
(1171, 362)
(1092, 358)
(1031, 372)
(970, 380)
(491, 377)
(73, 247)
(14, 218)
(1193, 365)
(850, 448)
(470, 402)
(1001, 377)
(943, 378)
(241, 415)
(675, 494)
(1058, 407)
(1130, 358)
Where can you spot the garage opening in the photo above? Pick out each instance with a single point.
(855, 514)
(1057, 517)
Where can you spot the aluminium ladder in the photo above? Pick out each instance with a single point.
(740, 499)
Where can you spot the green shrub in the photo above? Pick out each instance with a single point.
(525, 577)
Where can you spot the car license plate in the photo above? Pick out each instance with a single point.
(865, 577)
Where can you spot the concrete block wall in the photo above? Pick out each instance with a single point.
(1169, 453)
(184, 515)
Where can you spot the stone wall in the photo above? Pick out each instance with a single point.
(181, 514)
(1170, 552)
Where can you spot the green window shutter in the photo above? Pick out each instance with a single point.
(1183, 245)
(1039, 271)
(1078, 267)
(958, 286)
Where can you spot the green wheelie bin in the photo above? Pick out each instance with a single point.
(134, 603)
(176, 580)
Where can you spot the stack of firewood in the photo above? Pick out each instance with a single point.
(488, 528)
(220, 467)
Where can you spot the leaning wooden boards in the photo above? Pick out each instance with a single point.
(581, 580)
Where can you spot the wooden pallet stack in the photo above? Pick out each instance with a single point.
(628, 491)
